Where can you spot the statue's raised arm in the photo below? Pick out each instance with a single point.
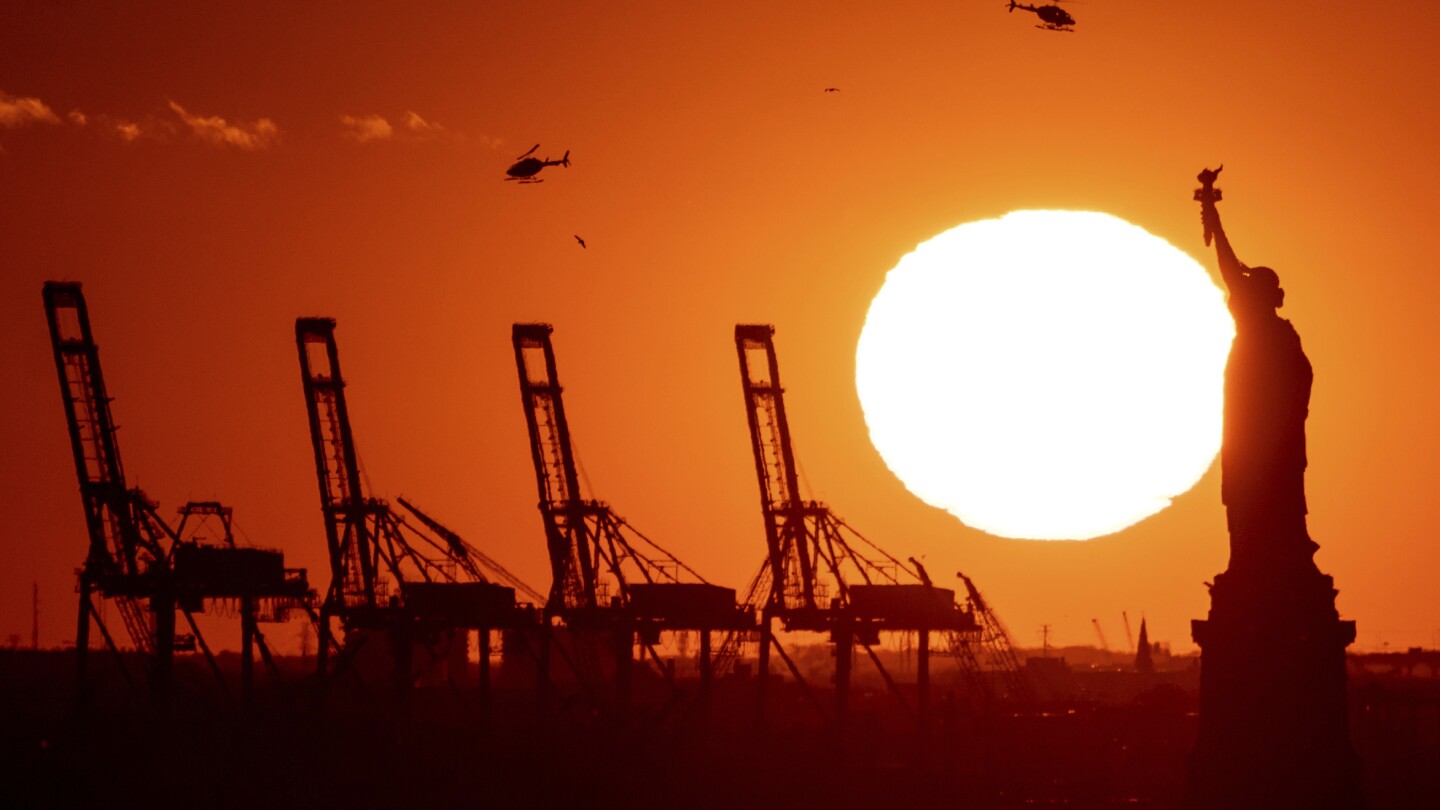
(1207, 195)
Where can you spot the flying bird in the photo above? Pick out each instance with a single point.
(832, 89)
(581, 241)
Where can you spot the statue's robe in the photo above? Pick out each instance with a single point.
(1262, 460)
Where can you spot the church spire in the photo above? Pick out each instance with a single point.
(1143, 662)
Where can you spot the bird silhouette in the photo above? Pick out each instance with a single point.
(832, 89)
(581, 241)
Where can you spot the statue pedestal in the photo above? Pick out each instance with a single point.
(1274, 729)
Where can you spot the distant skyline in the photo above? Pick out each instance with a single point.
(209, 173)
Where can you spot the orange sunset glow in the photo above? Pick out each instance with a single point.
(211, 172)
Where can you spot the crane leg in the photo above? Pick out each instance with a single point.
(82, 644)
(922, 681)
(483, 642)
(322, 653)
(762, 674)
(164, 664)
(624, 659)
(403, 644)
(247, 651)
(706, 669)
(844, 655)
(542, 672)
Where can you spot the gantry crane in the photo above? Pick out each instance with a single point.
(136, 559)
(819, 574)
(1100, 634)
(209, 565)
(411, 585)
(993, 651)
(605, 575)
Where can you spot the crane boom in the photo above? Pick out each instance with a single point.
(594, 552)
(129, 543)
(123, 537)
(349, 537)
(471, 558)
(995, 645)
(568, 534)
(1100, 634)
(792, 567)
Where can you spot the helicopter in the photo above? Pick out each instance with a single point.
(1053, 16)
(526, 167)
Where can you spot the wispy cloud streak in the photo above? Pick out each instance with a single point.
(127, 130)
(410, 127)
(420, 126)
(16, 111)
(216, 130)
(366, 128)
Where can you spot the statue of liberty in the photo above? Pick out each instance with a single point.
(1273, 728)
(1267, 397)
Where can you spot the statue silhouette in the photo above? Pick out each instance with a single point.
(1267, 398)
(1273, 729)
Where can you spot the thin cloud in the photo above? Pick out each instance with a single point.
(216, 130)
(411, 127)
(78, 118)
(366, 128)
(416, 124)
(127, 130)
(423, 129)
(18, 112)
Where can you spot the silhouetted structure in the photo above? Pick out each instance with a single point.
(526, 167)
(1144, 660)
(136, 559)
(607, 579)
(410, 587)
(992, 650)
(815, 577)
(1273, 725)
(1052, 17)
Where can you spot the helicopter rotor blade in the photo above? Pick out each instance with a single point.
(531, 152)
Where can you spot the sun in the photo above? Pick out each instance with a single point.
(1049, 375)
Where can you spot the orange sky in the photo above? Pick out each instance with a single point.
(715, 183)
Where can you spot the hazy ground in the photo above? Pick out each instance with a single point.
(1115, 739)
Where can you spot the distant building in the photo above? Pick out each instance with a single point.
(1144, 662)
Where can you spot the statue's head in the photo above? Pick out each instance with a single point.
(1266, 286)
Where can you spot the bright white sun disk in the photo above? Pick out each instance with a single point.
(1046, 375)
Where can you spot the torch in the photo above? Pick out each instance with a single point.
(1207, 194)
